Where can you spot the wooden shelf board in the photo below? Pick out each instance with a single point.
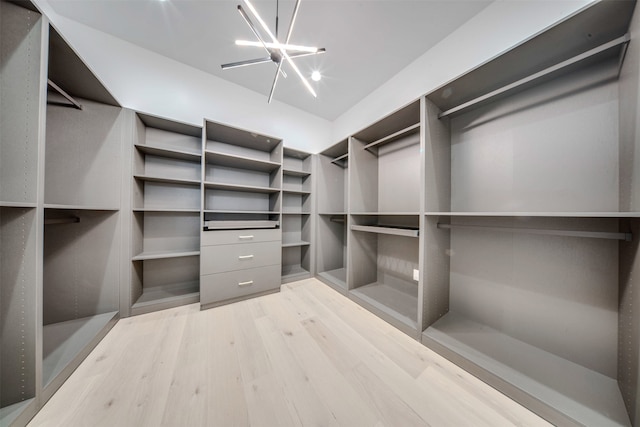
(293, 271)
(240, 162)
(169, 152)
(167, 180)
(164, 255)
(540, 214)
(296, 213)
(332, 213)
(230, 135)
(62, 342)
(337, 277)
(385, 213)
(9, 414)
(577, 392)
(26, 205)
(168, 294)
(398, 302)
(386, 230)
(295, 244)
(337, 150)
(80, 207)
(170, 125)
(223, 211)
(293, 191)
(292, 172)
(235, 187)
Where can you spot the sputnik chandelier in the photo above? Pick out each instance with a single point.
(278, 52)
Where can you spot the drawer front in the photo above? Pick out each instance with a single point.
(218, 259)
(235, 284)
(229, 237)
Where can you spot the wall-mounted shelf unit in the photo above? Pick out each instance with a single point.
(22, 63)
(332, 206)
(167, 157)
(531, 220)
(241, 232)
(297, 221)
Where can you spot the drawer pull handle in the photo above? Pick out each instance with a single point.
(250, 236)
(250, 282)
(245, 257)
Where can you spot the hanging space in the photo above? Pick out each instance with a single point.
(331, 196)
(531, 223)
(385, 162)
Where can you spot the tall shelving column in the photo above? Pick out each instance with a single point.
(297, 221)
(332, 208)
(85, 134)
(166, 214)
(385, 198)
(530, 222)
(241, 234)
(23, 40)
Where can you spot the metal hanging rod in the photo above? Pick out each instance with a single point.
(567, 233)
(68, 97)
(393, 136)
(339, 219)
(341, 160)
(623, 40)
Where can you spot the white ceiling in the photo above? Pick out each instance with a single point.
(367, 41)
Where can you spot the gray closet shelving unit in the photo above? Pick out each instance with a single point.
(61, 150)
(242, 204)
(332, 207)
(297, 221)
(385, 199)
(166, 203)
(531, 221)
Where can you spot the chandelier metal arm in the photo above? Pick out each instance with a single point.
(257, 34)
(245, 63)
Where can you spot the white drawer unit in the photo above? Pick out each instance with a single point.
(222, 288)
(218, 259)
(228, 237)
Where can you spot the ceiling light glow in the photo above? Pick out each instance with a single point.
(316, 76)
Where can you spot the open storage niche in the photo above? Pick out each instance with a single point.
(21, 90)
(166, 214)
(297, 222)
(384, 252)
(331, 196)
(531, 222)
(18, 278)
(242, 178)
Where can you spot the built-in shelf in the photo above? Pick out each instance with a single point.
(397, 303)
(79, 207)
(297, 173)
(168, 152)
(17, 205)
(167, 180)
(164, 254)
(395, 231)
(9, 414)
(586, 396)
(63, 342)
(168, 210)
(293, 191)
(168, 295)
(342, 161)
(290, 272)
(412, 129)
(237, 187)
(240, 162)
(540, 214)
(385, 213)
(337, 276)
(547, 232)
(294, 244)
(296, 213)
(239, 224)
(226, 211)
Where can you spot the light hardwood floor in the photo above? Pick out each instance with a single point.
(306, 356)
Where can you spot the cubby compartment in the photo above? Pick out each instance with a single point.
(80, 286)
(530, 225)
(21, 50)
(19, 269)
(166, 217)
(384, 253)
(242, 178)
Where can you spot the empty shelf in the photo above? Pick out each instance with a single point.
(177, 293)
(17, 205)
(80, 207)
(163, 255)
(240, 162)
(296, 213)
(10, 413)
(338, 277)
(168, 152)
(407, 232)
(166, 180)
(393, 302)
(541, 214)
(294, 271)
(236, 187)
(294, 244)
(579, 393)
(294, 191)
(227, 211)
(299, 173)
(386, 213)
(64, 341)
(169, 210)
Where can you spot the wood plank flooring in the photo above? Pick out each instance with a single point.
(306, 356)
